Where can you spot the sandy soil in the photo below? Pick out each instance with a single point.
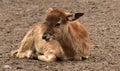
(102, 18)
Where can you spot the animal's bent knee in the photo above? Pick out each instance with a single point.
(51, 58)
(47, 58)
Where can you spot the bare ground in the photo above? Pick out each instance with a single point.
(102, 18)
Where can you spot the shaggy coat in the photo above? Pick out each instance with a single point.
(61, 36)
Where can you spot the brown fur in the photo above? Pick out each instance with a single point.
(71, 34)
(33, 46)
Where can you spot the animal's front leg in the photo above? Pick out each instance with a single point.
(47, 57)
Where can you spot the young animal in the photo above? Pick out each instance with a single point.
(70, 33)
(33, 46)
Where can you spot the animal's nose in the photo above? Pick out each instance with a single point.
(45, 37)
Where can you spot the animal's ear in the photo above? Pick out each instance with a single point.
(75, 16)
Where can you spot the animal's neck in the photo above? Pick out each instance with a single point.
(75, 40)
(67, 41)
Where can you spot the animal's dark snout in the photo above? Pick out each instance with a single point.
(45, 37)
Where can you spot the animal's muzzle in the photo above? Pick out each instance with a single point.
(45, 37)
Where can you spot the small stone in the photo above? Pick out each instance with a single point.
(47, 67)
(7, 67)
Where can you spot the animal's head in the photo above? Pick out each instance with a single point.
(56, 20)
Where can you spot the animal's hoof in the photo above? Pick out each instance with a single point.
(14, 53)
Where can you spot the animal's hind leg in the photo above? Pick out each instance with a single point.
(47, 57)
(25, 49)
(27, 53)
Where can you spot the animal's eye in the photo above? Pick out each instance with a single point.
(58, 24)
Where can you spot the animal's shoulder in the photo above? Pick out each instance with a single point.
(78, 29)
(76, 25)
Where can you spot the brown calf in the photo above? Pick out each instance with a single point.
(70, 33)
(33, 46)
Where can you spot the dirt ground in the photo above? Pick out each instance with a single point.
(102, 18)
